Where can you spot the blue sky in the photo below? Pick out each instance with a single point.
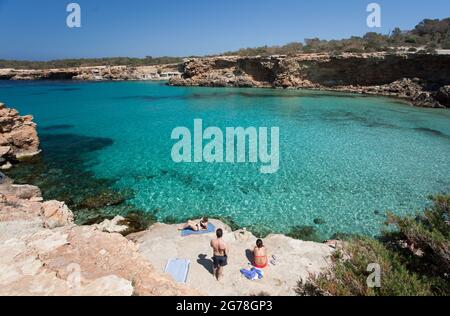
(36, 29)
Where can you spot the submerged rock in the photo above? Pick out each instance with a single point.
(43, 253)
(319, 221)
(443, 96)
(307, 233)
(103, 199)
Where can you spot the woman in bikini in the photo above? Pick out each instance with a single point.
(260, 255)
(202, 225)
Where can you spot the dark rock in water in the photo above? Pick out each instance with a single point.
(63, 160)
(413, 77)
(260, 231)
(443, 96)
(137, 221)
(306, 233)
(102, 199)
(96, 220)
(376, 212)
(319, 221)
(164, 172)
(228, 221)
(56, 127)
(432, 132)
(342, 236)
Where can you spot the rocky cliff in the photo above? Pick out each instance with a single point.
(18, 137)
(42, 252)
(160, 72)
(420, 78)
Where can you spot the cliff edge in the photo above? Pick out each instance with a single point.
(42, 252)
(422, 79)
(18, 137)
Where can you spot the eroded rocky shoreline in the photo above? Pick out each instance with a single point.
(43, 253)
(421, 79)
(94, 73)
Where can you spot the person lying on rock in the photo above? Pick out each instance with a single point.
(202, 225)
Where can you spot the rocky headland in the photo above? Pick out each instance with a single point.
(421, 79)
(43, 253)
(94, 73)
(18, 137)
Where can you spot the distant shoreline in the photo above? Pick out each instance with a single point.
(422, 80)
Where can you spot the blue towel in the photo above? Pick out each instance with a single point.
(178, 269)
(187, 232)
(253, 274)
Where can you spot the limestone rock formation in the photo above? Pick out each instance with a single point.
(295, 259)
(56, 214)
(68, 259)
(18, 136)
(112, 226)
(94, 73)
(443, 96)
(414, 77)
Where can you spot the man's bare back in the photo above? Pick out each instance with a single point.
(219, 247)
(220, 254)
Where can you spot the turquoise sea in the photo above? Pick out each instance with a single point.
(345, 159)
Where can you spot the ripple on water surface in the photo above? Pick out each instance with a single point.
(345, 159)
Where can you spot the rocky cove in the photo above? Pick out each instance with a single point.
(94, 73)
(42, 251)
(421, 79)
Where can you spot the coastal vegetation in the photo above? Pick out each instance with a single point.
(412, 253)
(428, 35)
(90, 62)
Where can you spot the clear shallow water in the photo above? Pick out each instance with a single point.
(344, 158)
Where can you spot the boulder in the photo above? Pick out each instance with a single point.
(112, 226)
(6, 166)
(4, 150)
(443, 96)
(25, 192)
(407, 76)
(56, 214)
(18, 136)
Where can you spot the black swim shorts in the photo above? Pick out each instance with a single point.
(220, 261)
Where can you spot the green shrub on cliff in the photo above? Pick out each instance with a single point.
(90, 62)
(413, 256)
(428, 238)
(428, 33)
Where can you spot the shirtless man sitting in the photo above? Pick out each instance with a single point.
(220, 254)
